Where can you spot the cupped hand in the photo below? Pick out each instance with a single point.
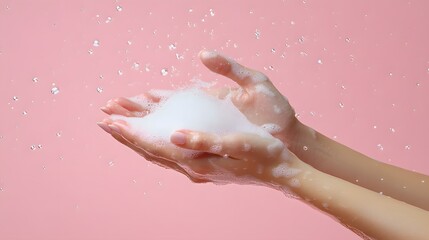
(239, 156)
(256, 97)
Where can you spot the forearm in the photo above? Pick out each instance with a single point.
(361, 210)
(340, 161)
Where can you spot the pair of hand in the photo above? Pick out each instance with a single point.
(241, 158)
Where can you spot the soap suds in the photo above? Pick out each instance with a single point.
(191, 109)
(283, 170)
(277, 109)
(275, 148)
(272, 128)
(294, 182)
(261, 88)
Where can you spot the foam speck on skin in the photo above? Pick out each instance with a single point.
(294, 182)
(246, 147)
(216, 148)
(272, 128)
(261, 88)
(277, 109)
(284, 170)
(275, 147)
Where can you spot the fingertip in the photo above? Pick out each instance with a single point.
(104, 126)
(178, 138)
(205, 54)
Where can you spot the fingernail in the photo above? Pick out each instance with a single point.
(117, 126)
(105, 109)
(178, 138)
(104, 126)
(207, 54)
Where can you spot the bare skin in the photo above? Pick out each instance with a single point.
(323, 173)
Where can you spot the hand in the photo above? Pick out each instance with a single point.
(256, 97)
(233, 158)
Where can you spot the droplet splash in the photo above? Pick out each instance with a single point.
(164, 72)
(55, 90)
(96, 43)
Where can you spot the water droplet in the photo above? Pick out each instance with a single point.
(146, 68)
(381, 179)
(96, 43)
(407, 147)
(164, 72)
(179, 57)
(212, 13)
(129, 42)
(108, 19)
(55, 90)
(39, 146)
(271, 67)
(380, 147)
(375, 127)
(392, 130)
(225, 156)
(99, 89)
(90, 51)
(305, 148)
(15, 98)
(136, 66)
(33, 147)
(120, 73)
(257, 34)
(273, 50)
(111, 163)
(35, 79)
(341, 105)
(319, 61)
(292, 23)
(24, 113)
(172, 46)
(301, 39)
(119, 8)
(347, 39)
(58, 134)
(134, 181)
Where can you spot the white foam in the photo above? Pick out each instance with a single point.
(272, 128)
(192, 109)
(283, 170)
(261, 88)
(275, 148)
(277, 109)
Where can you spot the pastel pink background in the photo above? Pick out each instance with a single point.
(370, 90)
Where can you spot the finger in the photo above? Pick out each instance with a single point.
(237, 145)
(154, 159)
(113, 107)
(243, 76)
